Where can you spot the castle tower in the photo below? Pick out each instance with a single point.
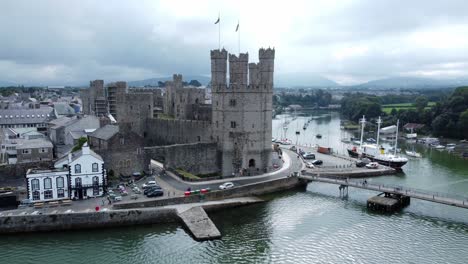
(242, 112)
(170, 95)
(218, 68)
(267, 66)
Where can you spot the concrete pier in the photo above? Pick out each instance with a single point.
(199, 224)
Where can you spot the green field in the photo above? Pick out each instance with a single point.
(388, 107)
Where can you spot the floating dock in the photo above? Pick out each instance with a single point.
(199, 224)
(388, 203)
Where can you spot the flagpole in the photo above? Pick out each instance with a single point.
(238, 38)
(219, 32)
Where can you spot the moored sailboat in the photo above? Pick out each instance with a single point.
(375, 153)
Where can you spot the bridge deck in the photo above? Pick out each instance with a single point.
(436, 197)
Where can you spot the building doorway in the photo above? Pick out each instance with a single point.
(251, 163)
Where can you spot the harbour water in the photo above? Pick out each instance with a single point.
(311, 226)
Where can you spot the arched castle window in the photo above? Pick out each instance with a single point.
(232, 102)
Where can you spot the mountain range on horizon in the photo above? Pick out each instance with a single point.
(306, 80)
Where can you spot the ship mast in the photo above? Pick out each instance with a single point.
(396, 137)
(379, 121)
(363, 123)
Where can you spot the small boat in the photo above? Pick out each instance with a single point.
(451, 147)
(413, 154)
(398, 150)
(318, 136)
(438, 146)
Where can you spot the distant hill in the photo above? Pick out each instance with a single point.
(292, 80)
(413, 83)
(5, 84)
(204, 80)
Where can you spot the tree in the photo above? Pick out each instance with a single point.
(393, 112)
(463, 123)
(81, 142)
(440, 123)
(421, 102)
(195, 83)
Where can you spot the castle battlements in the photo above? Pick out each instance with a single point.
(266, 53)
(243, 57)
(219, 54)
(242, 74)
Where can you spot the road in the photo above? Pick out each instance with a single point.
(293, 165)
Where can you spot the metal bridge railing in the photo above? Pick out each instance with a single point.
(395, 188)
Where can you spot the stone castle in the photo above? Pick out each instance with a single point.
(230, 136)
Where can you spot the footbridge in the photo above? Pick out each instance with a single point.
(436, 197)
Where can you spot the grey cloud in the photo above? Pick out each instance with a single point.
(75, 41)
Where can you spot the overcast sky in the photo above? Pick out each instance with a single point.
(348, 41)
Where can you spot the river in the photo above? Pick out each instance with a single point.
(311, 226)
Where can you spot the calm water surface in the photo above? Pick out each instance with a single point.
(305, 226)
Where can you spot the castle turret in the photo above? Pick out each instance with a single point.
(254, 78)
(267, 66)
(218, 68)
(238, 69)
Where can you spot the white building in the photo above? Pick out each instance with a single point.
(82, 174)
(47, 185)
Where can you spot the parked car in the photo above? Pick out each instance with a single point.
(155, 193)
(25, 203)
(149, 184)
(226, 185)
(310, 165)
(317, 162)
(360, 164)
(136, 190)
(372, 165)
(117, 198)
(293, 148)
(151, 188)
(308, 155)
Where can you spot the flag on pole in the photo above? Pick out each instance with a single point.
(237, 28)
(217, 21)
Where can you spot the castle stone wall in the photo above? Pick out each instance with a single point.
(168, 132)
(197, 158)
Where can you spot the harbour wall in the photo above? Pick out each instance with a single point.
(85, 220)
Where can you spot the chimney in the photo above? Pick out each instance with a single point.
(85, 149)
(69, 158)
